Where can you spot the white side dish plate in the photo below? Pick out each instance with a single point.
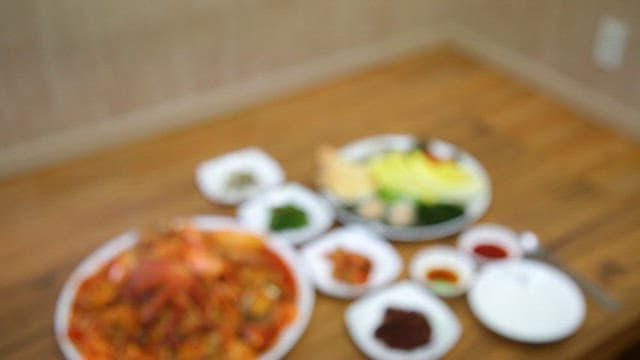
(213, 176)
(386, 262)
(256, 213)
(365, 315)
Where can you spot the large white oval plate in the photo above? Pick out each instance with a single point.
(288, 337)
(400, 142)
(527, 300)
(365, 315)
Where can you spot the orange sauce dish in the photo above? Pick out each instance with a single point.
(442, 274)
(185, 294)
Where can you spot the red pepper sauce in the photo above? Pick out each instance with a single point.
(491, 251)
(442, 274)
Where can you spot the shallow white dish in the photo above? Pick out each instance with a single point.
(446, 257)
(527, 300)
(366, 147)
(365, 315)
(255, 213)
(288, 337)
(386, 262)
(212, 175)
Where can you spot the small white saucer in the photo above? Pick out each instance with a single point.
(527, 300)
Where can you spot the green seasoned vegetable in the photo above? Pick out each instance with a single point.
(437, 213)
(287, 217)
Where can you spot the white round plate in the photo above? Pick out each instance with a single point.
(212, 175)
(447, 257)
(365, 315)
(527, 300)
(288, 337)
(255, 213)
(474, 210)
(385, 260)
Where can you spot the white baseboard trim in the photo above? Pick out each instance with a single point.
(81, 140)
(600, 107)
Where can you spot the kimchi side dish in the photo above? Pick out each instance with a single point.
(185, 294)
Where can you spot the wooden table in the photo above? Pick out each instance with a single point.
(553, 171)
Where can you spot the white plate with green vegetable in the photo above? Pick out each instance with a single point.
(404, 188)
(290, 213)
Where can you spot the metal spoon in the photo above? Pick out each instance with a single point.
(532, 248)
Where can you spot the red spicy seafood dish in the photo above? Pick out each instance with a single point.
(184, 293)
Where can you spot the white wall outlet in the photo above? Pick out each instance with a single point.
(610, 43)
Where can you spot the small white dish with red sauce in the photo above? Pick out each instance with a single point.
(490, 242)
(445, 270)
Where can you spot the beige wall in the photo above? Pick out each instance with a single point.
(559, 34)
(74, 62)
(72, 71)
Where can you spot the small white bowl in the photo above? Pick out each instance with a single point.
(212, 175)
(491, 234)
(385, 260)
(443, 257)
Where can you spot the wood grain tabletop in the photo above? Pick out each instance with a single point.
(552, 170)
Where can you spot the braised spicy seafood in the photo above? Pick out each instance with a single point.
(185, 294)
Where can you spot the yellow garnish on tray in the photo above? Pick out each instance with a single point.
(421, 177)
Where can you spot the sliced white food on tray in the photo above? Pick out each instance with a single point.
(527, 300)
(236, 176)
(445, 270)
(290, 213)
(348, 261)
(402, 322)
